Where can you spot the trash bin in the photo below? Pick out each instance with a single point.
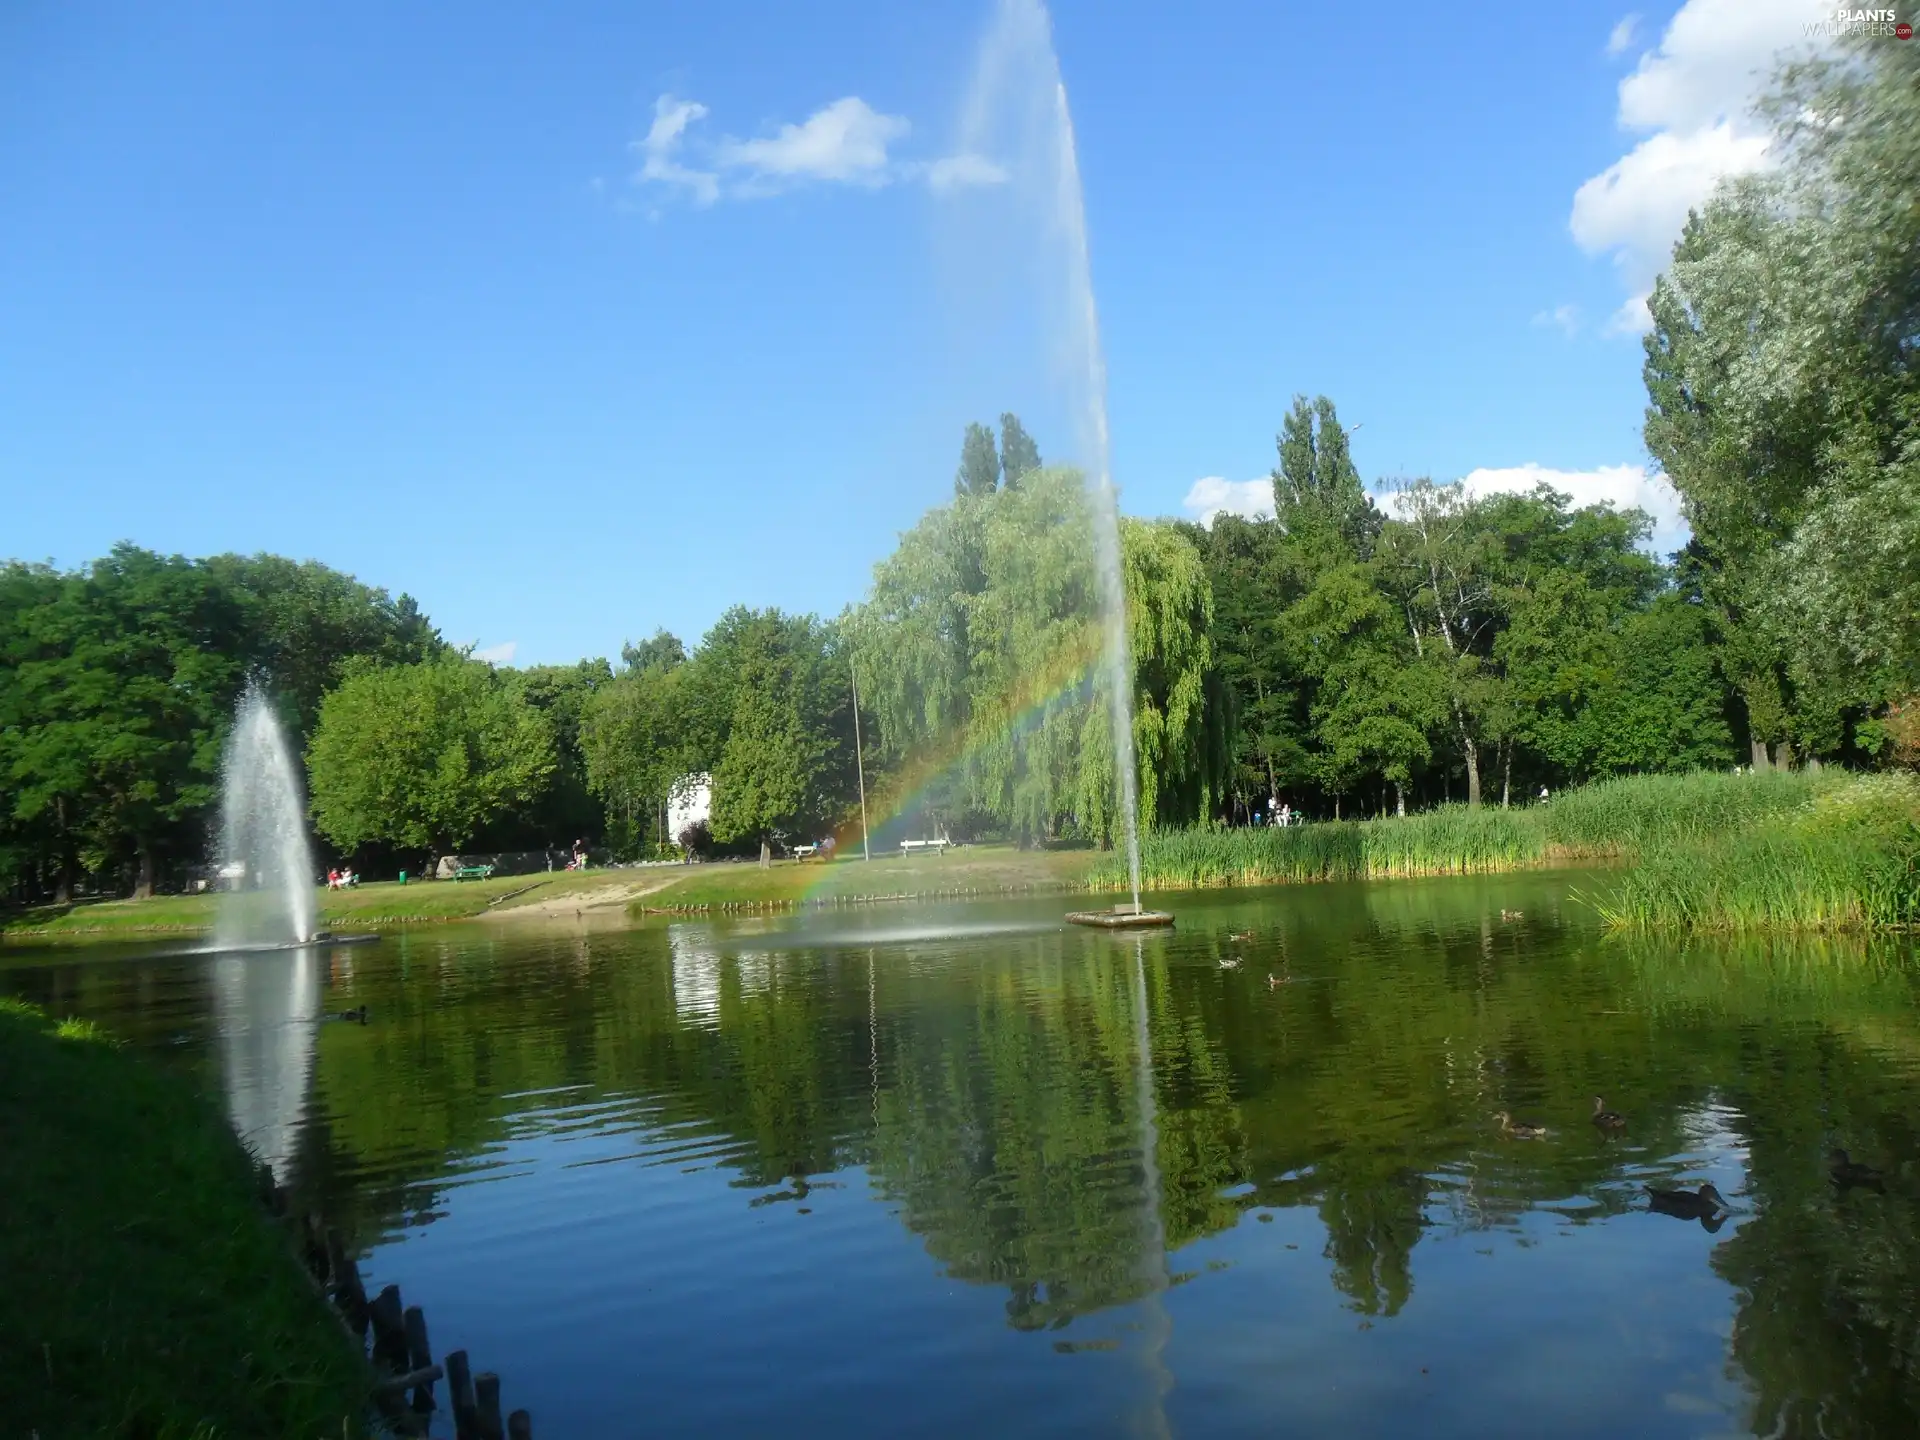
(403, 877)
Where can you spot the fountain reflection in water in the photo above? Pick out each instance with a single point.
(268, 1009)
(263, 835)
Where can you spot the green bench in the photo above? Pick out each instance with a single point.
(473, 872)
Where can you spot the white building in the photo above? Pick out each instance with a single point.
(689, 802)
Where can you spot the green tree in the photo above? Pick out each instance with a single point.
(979, 471)
(425, 756)
(305, 621)
(1783, 402)
(563, 809)
(1018, 453)
(775, 769)
(637, 741)
(660, 651)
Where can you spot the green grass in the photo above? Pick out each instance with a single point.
(1633, 814)
(975, 870)
(1720, 850)
(146, 1292)
(1452, 840)
(373, 906)
(1846, 858)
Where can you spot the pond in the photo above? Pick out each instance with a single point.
(963, 1170)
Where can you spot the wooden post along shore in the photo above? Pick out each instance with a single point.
(400, 1354)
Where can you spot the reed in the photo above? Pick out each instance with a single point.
(1635, 813)
(1847, 859)
(1452, 840)
(1814, 834)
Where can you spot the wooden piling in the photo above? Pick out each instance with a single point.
(519, 1426)
(466, 1415)
(344, 1277)
(486, 1394)
(389, 1328)
(419, 1355)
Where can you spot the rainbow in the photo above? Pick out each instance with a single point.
(1068, 667)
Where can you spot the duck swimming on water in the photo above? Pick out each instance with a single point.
(1519, 1130)
(1687, 1204)
(1607, 1119)
(352, 1017)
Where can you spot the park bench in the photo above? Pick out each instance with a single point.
(473, 872)
(907, 847)
(805, 852)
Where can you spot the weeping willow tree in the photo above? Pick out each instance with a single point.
(980, 656)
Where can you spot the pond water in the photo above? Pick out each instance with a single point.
(965, 1171)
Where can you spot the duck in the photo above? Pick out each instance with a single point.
(1274, 982)
(1850, 1174)
(1607, 1119)
(1240, 937)
(1687, 1204)
(1512, 915)
(1521, 1130)
(1230, 964)
(352, 1017)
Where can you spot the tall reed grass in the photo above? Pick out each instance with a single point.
(1848, 858)
(1635, 813)
(1452, 840)
(1783, 850)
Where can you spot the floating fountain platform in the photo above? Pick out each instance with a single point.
(1122, 917)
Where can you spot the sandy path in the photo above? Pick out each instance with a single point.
(613, 895)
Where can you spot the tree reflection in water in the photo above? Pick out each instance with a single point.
(1056, 1114)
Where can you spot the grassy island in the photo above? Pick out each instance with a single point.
(147, 1292)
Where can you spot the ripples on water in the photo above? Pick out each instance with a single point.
(965, 1171)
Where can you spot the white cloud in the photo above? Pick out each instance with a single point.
(1566, 317)
(1695, 92)
(847, 142)
(1621, 40)
(671, 118)
(501, 654)
(1621, 486)
(1211, 495)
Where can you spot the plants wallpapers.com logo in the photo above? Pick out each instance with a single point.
(1847, 23)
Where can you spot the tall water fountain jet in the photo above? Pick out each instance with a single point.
(264, 853)
(1016, 124)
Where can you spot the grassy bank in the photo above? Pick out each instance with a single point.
(1846, 859)
(976, 870)
(1610, 819)
(366, 907)
(146, 1292)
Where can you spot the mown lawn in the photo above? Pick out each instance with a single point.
(370, 906)
(147, 1293)
(972, 870)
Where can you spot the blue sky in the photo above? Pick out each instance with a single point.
(408, 292)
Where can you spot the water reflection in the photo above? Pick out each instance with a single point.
(1019, 1179)
(267, 1010)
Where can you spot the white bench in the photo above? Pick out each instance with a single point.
(907, 847)
(805, 852)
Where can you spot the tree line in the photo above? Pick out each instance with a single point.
(1362, 650)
